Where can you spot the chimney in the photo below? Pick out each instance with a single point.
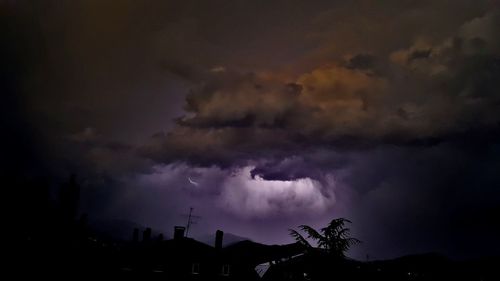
(135, 236)
(146, 235)
(219, 234)
(179, 232)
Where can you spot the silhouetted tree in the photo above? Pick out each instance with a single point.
(334, 238)
(69, 197)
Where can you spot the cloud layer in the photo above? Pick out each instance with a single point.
(423, 93)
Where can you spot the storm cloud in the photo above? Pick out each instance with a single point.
(282, 112)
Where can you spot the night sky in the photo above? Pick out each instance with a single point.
(264, 115)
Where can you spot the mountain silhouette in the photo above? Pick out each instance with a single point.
(229, 239)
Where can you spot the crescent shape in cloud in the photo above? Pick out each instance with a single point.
(192, 182)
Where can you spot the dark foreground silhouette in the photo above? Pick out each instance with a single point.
(53, 241)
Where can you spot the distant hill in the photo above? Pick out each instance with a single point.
(228, 239)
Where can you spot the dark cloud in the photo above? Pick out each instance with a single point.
(362, 61)
(447, 89)
(20, 145)
(419, 54)
(433, 191)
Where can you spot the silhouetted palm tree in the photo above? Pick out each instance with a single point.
(334, 238)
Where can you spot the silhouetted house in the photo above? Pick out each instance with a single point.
(135, 235)
(146, 235)
(318, 265)
(183, 258)
(243, 257)
(314, 264)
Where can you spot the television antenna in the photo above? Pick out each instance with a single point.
(191, 219)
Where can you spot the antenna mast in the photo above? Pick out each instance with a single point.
(191, 220)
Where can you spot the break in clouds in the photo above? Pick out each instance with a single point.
(240, 194)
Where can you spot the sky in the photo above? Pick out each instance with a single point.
(264, 115)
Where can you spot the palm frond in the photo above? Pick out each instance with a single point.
(338, 223)
(299, 238)
(353, 241)
(343, 233)
(334, 238)
(312, 233)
